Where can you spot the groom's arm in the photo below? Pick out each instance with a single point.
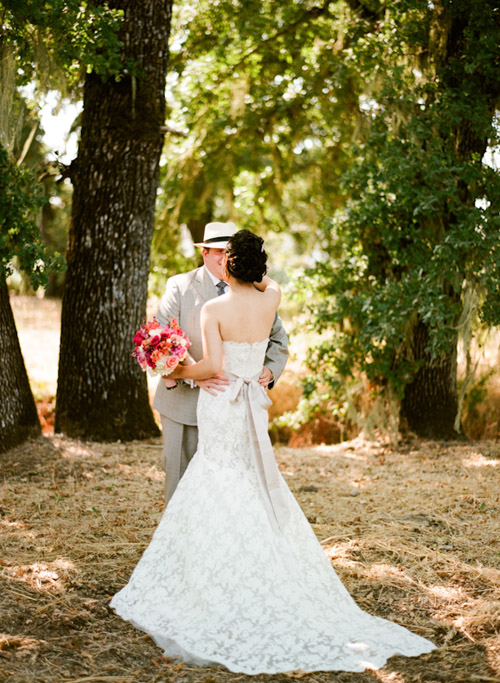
(277, 351)
(170, 303)
(169, 308)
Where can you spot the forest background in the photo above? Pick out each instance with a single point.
(359, 138)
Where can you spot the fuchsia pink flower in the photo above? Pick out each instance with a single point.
(160, 348)
(139, 336)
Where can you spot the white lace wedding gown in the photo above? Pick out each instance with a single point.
(220, 583)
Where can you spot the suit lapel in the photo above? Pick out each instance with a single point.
(204, 284)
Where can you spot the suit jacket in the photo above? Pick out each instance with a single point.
(183, 299)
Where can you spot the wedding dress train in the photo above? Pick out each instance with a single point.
(229, 578)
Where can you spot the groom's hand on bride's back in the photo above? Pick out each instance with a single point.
(266, 377)
(213, 384)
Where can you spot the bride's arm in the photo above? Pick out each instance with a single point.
(211, 363)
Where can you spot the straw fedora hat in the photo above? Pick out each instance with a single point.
(216, 235)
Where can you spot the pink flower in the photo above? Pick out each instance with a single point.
(159, 348)
(139, 337)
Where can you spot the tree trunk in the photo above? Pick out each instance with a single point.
(102, 393)
(18, 417)
(430, 402)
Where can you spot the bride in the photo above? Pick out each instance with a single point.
(234, 574)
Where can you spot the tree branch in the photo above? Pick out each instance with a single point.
(27, 144)
(312, 13)
(172, 131)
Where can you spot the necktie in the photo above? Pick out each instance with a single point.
(221, 287)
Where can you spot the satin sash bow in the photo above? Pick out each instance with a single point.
(256, 402)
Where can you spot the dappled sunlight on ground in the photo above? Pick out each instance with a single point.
(479, 460)
(341, 553)
(42, 576)
(38, 323)
(413, 534)
(345, 449)
(393, 677)
(21, 646)
(8, 526)
(151, 473)
(446, 593)
(388, 572)
(492, 646)
(74, 451)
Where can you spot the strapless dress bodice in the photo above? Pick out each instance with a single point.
(244, 359)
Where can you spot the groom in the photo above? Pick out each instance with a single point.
(183, 299)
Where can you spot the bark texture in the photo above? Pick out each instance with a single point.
(430, 402)
(18, 417)
(102, 393)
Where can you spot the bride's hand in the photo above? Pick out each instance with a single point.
(213, 384)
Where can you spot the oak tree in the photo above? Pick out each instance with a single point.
(102, 394)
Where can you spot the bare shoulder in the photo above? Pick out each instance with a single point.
(273, 295)
(211, 305)
(211, 308)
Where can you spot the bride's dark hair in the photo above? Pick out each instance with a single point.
(246, 258)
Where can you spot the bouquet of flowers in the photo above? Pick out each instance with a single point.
(160, 348)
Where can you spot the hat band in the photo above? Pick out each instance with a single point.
(218, 239)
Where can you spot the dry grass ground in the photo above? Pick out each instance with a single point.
(413, 534)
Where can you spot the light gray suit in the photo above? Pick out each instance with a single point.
(184, 297)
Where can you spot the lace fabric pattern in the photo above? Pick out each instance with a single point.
(217, 585)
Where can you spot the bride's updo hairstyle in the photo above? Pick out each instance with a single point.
(245, 256)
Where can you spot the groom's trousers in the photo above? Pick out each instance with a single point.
(180, 442)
